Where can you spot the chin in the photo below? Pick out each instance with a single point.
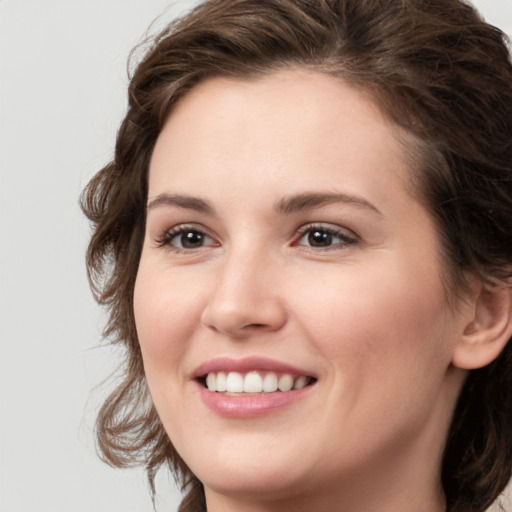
(255, 481)
(236, 471)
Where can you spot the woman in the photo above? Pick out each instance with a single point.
(305, 244)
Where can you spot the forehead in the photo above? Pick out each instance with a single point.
(313, 125)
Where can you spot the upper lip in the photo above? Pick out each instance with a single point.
(246, 364)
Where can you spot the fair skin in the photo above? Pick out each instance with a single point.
(281, 225)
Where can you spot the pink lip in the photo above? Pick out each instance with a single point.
(252, 405)
(249, 406)
(226, 364)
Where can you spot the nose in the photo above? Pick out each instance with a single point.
(245, 298)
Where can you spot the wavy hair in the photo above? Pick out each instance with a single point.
(438, 71)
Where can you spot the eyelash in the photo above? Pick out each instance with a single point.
(169, 236)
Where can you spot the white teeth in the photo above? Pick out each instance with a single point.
(270, 383)
(254, 382)
(301, 382)
(211, 381)
(221, 382)
(285, 382)
(234, 382)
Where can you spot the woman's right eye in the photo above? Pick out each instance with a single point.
(185, 239)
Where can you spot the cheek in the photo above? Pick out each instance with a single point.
(377, 322)
(166, 313)
(389, 347)
(166, 316)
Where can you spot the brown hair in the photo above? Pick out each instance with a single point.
(437, 70)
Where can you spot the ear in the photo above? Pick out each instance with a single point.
(489, 329)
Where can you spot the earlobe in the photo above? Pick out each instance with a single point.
(488, 332)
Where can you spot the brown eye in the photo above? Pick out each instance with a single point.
(189, 240)
(319, 238)
(183, 239)
(323, 237)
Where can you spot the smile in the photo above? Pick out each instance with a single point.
(254, 382)
(252, 386)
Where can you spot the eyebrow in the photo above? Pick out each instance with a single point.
(291, 204)
(182, 201)
(309, 201)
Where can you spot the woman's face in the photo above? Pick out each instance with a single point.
(283, 248)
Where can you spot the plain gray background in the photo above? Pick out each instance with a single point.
(62, 95)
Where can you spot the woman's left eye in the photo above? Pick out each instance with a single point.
(322, 237)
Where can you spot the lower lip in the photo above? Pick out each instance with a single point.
(249, 406)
